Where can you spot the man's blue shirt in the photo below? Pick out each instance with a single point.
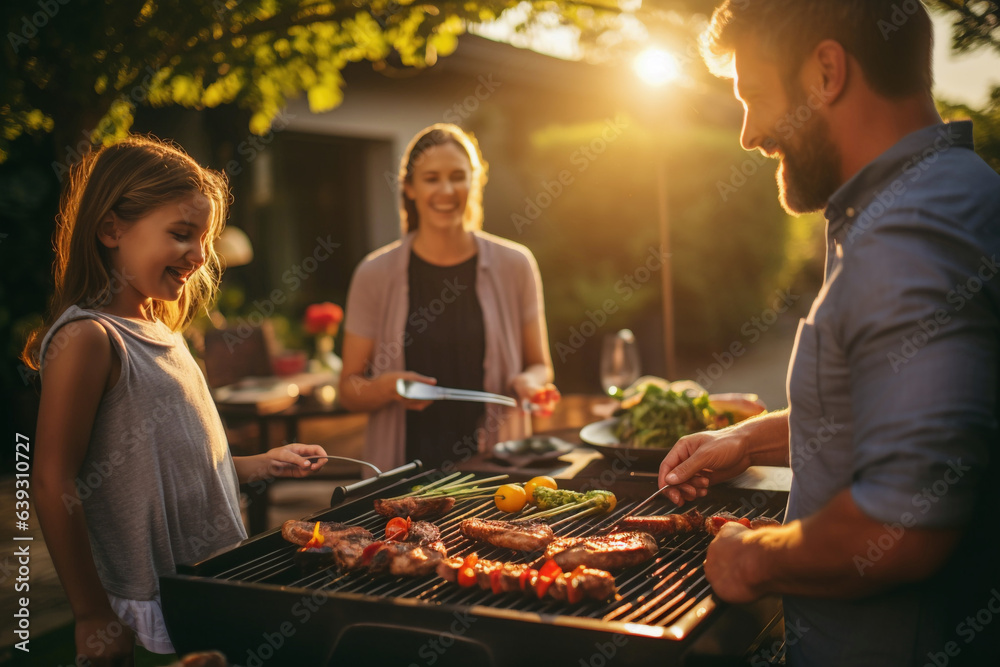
(893, 389)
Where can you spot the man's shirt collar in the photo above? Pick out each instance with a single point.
(858, 192)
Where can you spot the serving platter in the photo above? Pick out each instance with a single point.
(601, 436)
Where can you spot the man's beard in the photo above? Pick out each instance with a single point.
(810, 169)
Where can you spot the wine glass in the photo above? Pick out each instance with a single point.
(619, 362)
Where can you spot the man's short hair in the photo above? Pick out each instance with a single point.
(892, 40)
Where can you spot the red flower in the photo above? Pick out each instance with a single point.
(323, 318)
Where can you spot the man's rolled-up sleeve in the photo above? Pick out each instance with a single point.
(922, 350)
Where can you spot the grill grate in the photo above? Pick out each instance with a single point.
(668, 595)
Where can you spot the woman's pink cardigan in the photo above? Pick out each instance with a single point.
(509, 288)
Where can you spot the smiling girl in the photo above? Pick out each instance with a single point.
(133, 473)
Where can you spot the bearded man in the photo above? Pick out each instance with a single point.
(888, 555)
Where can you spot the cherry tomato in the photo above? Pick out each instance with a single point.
(535, 482)
(510, 498)
(612, 502)
(398, 528)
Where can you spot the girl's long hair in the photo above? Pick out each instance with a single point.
(438, 135)
(129, 179)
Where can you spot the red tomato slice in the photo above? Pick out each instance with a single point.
(398, 528)
(370, 551)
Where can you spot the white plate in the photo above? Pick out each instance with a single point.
(601, 436)
(256, 390)
(601, 433)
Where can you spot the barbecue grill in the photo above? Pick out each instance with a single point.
(259, 608)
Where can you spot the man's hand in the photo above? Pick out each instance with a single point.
(726, 564)
(700, 459)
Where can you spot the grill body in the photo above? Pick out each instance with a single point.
(255, 605)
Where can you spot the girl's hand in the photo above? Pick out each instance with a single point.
(288, 461)
(104, 640)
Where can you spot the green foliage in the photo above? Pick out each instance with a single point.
(985, 126)
(732, 244)
(976, 23)
(84, 65)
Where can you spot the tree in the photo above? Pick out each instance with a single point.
(977, 23)
(77, 66)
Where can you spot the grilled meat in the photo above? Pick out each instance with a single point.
(606, 552)
(522, 536)
(660, 526)
(423, 532)
(503, 577)
(346, 543)
(415, 508)
(300, 532)
(407, 559)
(717, 521)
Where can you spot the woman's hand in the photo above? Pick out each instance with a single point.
(104, 640)
(387, 382)
(289, 461)
(545, 396)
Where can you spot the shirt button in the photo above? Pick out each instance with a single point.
(850, 211)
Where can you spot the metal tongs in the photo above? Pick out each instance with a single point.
(420, 391)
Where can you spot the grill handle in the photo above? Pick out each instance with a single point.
(342, 492)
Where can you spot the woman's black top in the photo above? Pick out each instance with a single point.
(445, 339)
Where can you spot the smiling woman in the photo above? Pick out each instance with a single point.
(447, 304)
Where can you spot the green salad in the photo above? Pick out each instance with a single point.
(662, 416)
